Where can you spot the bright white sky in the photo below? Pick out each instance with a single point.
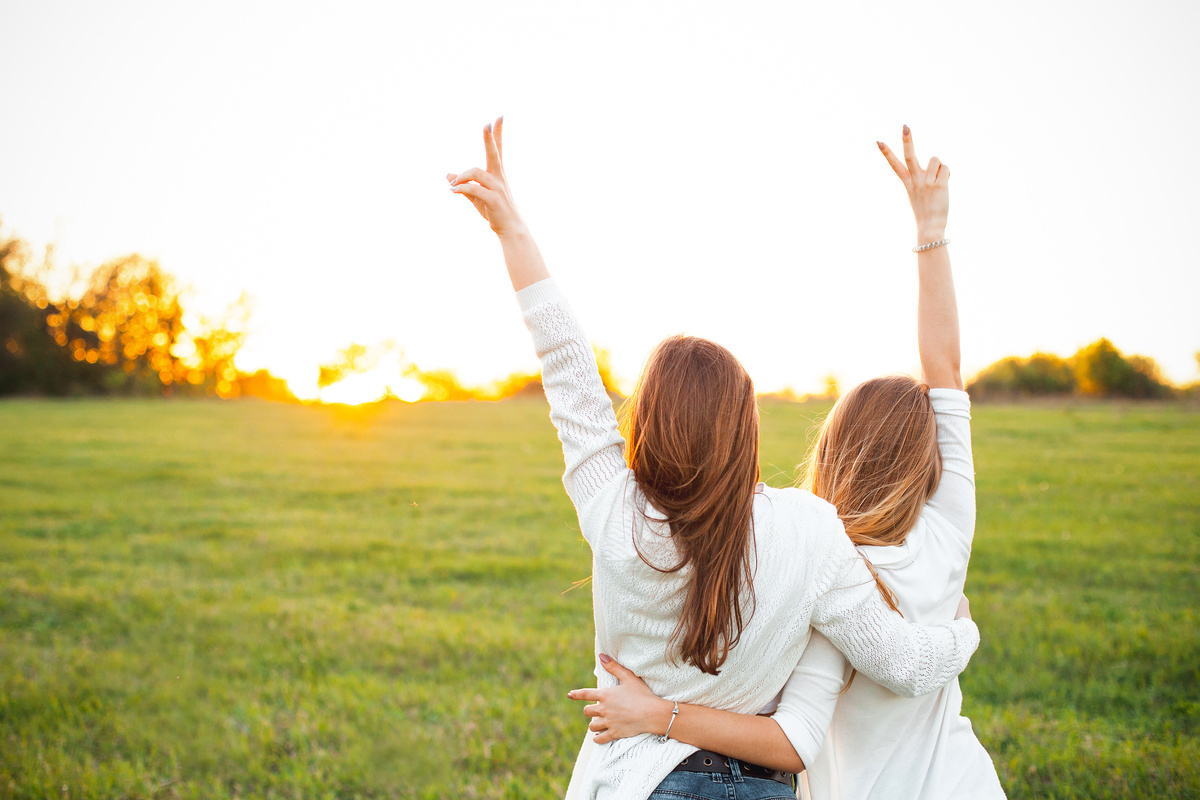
(702, 167)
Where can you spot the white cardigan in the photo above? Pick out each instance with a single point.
(806, 573)
(884, 747)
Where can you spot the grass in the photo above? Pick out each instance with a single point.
(207, 599)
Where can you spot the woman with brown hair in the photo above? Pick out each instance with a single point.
(705, 581)
(894, 457)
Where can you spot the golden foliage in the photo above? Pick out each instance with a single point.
(120, 329)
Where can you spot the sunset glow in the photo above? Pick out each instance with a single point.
(369, 387)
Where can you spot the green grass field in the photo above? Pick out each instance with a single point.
(240, 599)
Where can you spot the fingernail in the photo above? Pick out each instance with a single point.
(489, 128)
(605, 658)
(906, 131)
(879, 145)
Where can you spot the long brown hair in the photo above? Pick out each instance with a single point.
(877, 461)
(691, 428)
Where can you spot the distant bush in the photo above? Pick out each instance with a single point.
(518, 384)
(1040, 374)
(443, 384)
(264, 385)
(1101, 370)
(1098, 370)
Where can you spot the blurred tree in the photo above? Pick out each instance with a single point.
(999, 378)
(1101, 370)
(1040, 374)
(264, 385)
(1046, 373)
(30, 361)
(121, 330)
(1098, 369)
(128, 318)
(206, 348)
(518, 384)
(441, 385)
(348, 361)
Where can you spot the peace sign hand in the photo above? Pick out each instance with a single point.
(487, 189)
(928, 189)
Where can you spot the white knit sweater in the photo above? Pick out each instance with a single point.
(806, 573)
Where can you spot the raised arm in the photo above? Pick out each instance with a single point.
(938, 336)
(783, 741)
(937, 311)
(579, 406)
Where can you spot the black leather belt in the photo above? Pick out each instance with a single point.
(708, 761)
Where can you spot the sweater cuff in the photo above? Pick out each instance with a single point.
(950, 401)
(966, 639)
(535, 294)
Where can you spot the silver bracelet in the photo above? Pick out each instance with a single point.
(674, 714)
(921, 248)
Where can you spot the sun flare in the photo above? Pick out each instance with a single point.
(371, 386)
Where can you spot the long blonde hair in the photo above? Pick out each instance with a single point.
(877, 461)
(692, 431)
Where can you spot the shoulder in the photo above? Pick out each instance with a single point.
(899, 556)
(608, 516)
(797, 512)
(934, 529)
(800, 501)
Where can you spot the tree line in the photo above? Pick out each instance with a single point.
(1096, 370)
(119, 330)
(122, 330)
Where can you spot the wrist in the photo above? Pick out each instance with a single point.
(930, 233)
(662, 716)
(515, 232)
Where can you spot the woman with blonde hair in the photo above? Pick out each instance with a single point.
(894, 458)
(704, 581)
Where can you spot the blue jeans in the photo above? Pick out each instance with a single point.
(712, 786)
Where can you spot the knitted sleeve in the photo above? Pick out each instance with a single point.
(909, 659)
(954, 499)
(579, 406)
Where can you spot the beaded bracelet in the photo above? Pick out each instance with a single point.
(674, 713)
(921, 248)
